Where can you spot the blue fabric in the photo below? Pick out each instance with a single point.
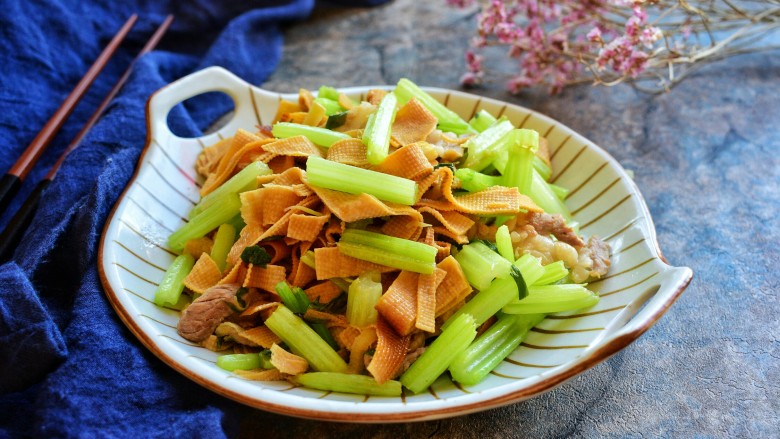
(68, 366)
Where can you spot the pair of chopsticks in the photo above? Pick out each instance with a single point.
(12, 181)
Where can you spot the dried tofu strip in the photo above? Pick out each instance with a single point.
(406, 162)
(333, 230)
(209, 158)
(345, 102)
(279, 164)
(261, 336)
(204, 275)
(345, 336)
(267, 204)
(264, 278)
(286, 362)
(254, 309)
(289, 177)
(375, 95)
(459, 239)
(250, 234)
(300, 273)
(358, 349)
(260, 374)
(352, 208)
(453, 288)
(348, 151)
(426, 300)
(296, 146)
(236, 275)
(286, 107)
(455, 222)
(305, 99)
(389, 354)
(278, 250)
(323, 292)
(327, 318)
(330, 263)
(405, 227)
(399, 304)
(544, 151)
(496, 200)
(198, 246)
(243, 142)
(306, 227)
(357, 117)
(413, 123)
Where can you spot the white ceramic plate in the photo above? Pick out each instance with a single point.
(639, 288)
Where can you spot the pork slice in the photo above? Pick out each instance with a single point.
(201, 318)
(598, 251)
(546, 224)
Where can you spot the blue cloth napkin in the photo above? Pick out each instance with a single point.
(68, 366)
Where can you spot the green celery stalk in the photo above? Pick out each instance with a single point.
(414, 249)
(504, 243)
(363, 295)
(519, 166)
(542, 168)
(481, 265)
(560, 191)
(331, 105)
(545, 198)
(244, 180)
(206, 221)
(304, 341)
(348, 383)
(485, 146)
(530, 267)
(482, 120)
(449, 121)
(170, 288)
(293, 298)
(437, 357)
(319, 136)
(239, 361)
(487, 302)
(383, 257)
(553, 272)
(351, 179)
(328, 93)
(553, 298)
(376, 135)
(474, 181)
(501, 339)
(223, 242)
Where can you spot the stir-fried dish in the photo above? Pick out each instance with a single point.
(364, 247)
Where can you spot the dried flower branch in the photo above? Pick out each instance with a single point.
(651, 44)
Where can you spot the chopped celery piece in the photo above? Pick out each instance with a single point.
(376, 135)
(348, 383)
(485, 146)
(308, 258)
(474, 181)
(331, 106)
(560, 191)
(223, 242)
(204, 222)
(481, 265)
(293, 298)
(244, 180)
(553, 272)
(324, 332)
(265, 359)
(319, 136)
(542, 168)
(449, 121)
(437, 357)
(495, 344)
(553, 298)
(531, 268)
(519, 166)
(504, 243)
(351, 179)
(328, 93)
(170, 287)
(239, 362)
(363, 295)
(303, 341)
(414, 249)
(545, 198)
(488, 301)
(384, 257)
(482, 120)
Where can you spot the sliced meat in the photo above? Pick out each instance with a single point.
(598, 251)
(546, 224)
(201, 318)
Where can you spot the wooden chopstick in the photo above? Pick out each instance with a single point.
(11, 181)
(12, 234)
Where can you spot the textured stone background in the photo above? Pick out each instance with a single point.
(706, 159)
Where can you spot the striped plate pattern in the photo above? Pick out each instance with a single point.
(637, 291)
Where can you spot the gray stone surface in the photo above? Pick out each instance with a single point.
(706, 159)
